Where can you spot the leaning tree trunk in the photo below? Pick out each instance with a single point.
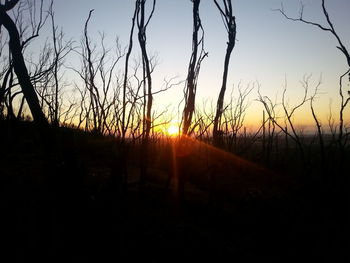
(20, 67)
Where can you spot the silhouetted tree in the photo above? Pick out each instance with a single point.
(318, 124)
(234, 116)
(142, 23)
(19, 65)
(46, 73)
(60, 51)
(196, 59)
(329, 27)
(126, 70)
(230, 25)
(97, 73)
(288, 127)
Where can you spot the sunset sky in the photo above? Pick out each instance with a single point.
(269, 48)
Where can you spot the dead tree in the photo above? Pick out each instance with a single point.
(197, 56)
(5, 71)
(343, 134)
(288, 127)
(97, 73)
(318, 124)
(124, 125)
(19, 65)
(230, 25)
(329, 27)
(60, 51)
(344, 102)
(142, 23)
(147, 68)
(46, 73)
(38, 70)
(234, 116)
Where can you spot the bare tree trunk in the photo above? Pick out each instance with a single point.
(19, 64)
(230, 24)
(90, 81)
(142, 23)
(55, 68)
(124, 125)
(142, 26)
(193, 69)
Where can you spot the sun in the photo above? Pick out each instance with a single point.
(173, 130)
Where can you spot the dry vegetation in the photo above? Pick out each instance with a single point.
(88, 175)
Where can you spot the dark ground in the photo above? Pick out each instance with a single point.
(74, 211)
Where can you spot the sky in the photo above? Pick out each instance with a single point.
(269, 49)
